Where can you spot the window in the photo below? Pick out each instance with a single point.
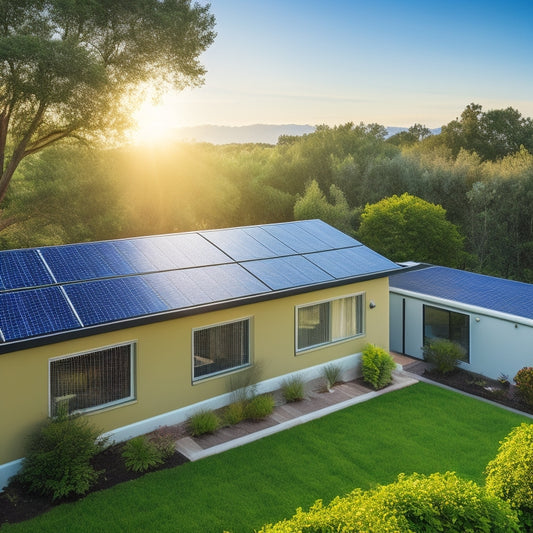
(92, 380)
(221, 348)
(444, 324)
(328, 322)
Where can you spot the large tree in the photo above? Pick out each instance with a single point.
(68, 68)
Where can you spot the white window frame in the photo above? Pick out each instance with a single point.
(362, 319)
(132, 396)
(247, 319)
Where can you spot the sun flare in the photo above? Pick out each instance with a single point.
(155, 123)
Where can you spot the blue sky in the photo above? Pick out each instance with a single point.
(391, 62)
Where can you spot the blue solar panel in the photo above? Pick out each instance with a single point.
(348, 262)
(35, 312)
(497, 294)
(22, 268)
(102, 301)
(92, 260)
(286, 272)
(174, 287)
(333, 237)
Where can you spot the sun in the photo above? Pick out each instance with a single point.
(155, 123)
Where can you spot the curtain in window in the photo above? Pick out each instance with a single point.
(343, 318)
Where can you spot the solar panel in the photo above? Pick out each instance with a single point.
(349, 262)
(22, 268)
(333, 237)
(33, 312)
(98, 302)
(243, 244)
(286, 272)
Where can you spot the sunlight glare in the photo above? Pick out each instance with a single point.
(155, 123)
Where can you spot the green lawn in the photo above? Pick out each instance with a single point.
(421, 429)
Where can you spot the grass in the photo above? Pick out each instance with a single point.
(422, 429)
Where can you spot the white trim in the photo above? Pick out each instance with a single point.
(133, 390)
(465, 307)
(7, 471)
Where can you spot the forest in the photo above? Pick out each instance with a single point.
(479, 169)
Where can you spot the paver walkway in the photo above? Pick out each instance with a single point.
(316, 404)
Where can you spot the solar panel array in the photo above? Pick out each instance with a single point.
(44, 291)
(497, 294)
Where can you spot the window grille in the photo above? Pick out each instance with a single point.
(221, 348)
(330, 321)
(92, 380)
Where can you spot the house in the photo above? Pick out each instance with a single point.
(491, 318)
(142, 332)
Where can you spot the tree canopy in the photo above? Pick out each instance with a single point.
(68, 67)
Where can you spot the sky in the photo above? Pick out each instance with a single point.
(394, 62)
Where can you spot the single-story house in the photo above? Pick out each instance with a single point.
(142, 332)
(491, 318)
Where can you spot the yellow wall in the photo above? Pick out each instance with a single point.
(163, 361)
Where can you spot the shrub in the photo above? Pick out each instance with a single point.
(377, 366)
(57, 461)
(332, 374)
(141, 454)
(166, 444)
(510, 474)
(293, 389)
(443, 354)
(440, 502)
(260, 407)
(203, 422)
(234, 413)
(524, 384)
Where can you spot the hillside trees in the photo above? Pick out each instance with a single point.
(68, 68)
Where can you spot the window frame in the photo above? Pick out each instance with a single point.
(449, 311)
(358, 320)
(132, 382)
(249, 321)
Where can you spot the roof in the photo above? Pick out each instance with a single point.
(78, 289)
(467, 288)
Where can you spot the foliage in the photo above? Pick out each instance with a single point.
(407, 228)
(443, 354)
(332, 374)
(377, 366)
(524, 384)
(234, 413)
(293, 389)
(439, 502)
(203, 422)
(67, 68)
(259, 407)
(57, 461)
(510, 474)
(140, 454)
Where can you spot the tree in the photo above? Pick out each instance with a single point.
(68, 67)
(407, 228)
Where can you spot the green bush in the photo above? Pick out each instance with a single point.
(140, 454)
(524, 384)
(332, 374)
(259, 407)
(293, 389)
(203, 422)
(57, 461)
(443, 354)
(440, 502)
(377, 366)
(234, 413)
(165, 444)
(510, 474)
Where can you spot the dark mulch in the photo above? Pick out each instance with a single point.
(16, 505)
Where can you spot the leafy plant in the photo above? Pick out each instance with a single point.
(293, 389)
(234, 413)
(57, 461)
(166, 444)
(203, 422)
(443, 354)
(260, 407)
(332, 374)
(524, 384)
(377, 366)
(141, 454)
(510, 474)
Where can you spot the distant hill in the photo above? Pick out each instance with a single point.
(255, 133)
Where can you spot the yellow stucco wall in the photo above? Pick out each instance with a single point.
(163, 361)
